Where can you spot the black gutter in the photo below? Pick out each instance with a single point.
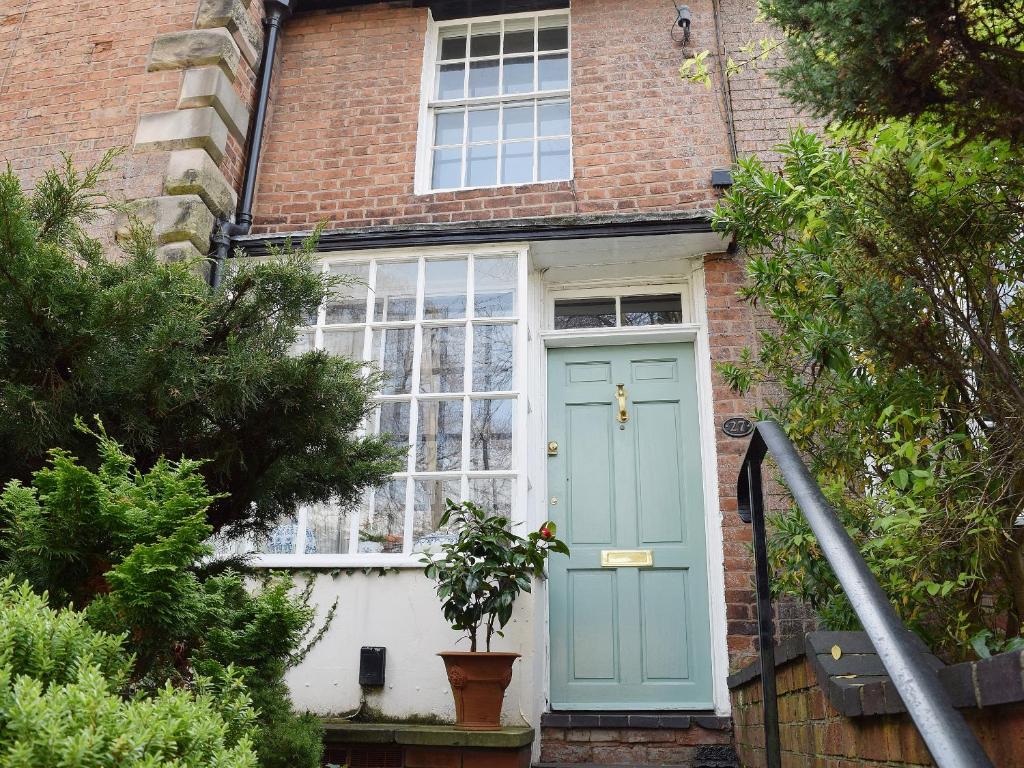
(475, 233)
(275, 13)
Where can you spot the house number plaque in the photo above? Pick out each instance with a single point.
(738, 426)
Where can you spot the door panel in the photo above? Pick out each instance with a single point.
(628, 638)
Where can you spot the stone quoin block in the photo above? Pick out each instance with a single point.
(181, 251)
(199, 128)
(208, 87)
(195, 48)
(176, 218)
(193, 172)
(234, 16)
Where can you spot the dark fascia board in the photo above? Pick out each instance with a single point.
(512, 230)
(445, 9)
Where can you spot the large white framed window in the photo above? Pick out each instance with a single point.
(447, 332)
(495, 103)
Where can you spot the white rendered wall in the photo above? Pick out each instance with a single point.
(400, 612)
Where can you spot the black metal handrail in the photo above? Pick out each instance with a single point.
(942, 727)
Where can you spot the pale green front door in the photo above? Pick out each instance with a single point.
(627, 637)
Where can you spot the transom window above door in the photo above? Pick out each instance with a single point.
(619, 311)
(496, 103)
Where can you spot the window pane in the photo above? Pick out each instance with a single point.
(393, 349)
(281, 540)
(448, 128)
(518, 75)
(553, 34)
(384, 528)
(444, 359)
(395, 292)
(328, 527)
(345, 343)
(518, 122)
(482, 165)
(394, 421)
(553, 72)
(439, 443)
(519, 41)
(486, 40)
(490, 431)
(585, 313)
(554, 160)
(447, 168)
(453, 47)
(430, 497)
(483, 125)
(347, 302)
(652, 310)
(303, 343)
(554, 119)
(451, 81)
(493, 494)
(494, 285)
(483, 78)
(444, 292)
(493, 358)
(517, 163)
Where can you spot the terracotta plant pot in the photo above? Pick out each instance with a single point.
(478, 683)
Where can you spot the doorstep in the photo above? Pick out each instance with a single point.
(398, 745)
(634, 719)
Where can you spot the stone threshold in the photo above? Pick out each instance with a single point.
(633, 719)
(347, 732)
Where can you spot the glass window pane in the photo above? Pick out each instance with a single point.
(442, 367)
(554, 119)
(392, 351)
(328, 526)
(518, 75)
(493, 347)
(383, 530)
(652, 310)
(453, 46)
(347, 302)
(451, 81)
(395, 291)
(493, 494)
(494, 285)
(483, 78)
(394, 421)
(482, 165)
(448, 128)
(517, 163)
(554, 160)
(303, 343)
(447, 168)
(486, 40)
(345, 343)
(520, 41)
(430, 497)
(553, 34)
(483, 125)
(553, 72)
(281, 540)
(444, 290)
(585, 313)
(518, 122)
(491, 424)
(439, 442)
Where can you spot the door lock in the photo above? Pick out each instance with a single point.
(552, 448)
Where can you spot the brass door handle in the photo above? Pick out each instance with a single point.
(620, 395)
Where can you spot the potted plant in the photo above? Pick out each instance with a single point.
(479, 575)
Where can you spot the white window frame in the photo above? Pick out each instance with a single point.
(428, 105)
(407, 558)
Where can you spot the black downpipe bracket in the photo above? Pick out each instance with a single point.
(275, 13)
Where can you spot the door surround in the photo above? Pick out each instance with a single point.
(695, 331)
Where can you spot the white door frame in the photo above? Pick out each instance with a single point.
(539, 313)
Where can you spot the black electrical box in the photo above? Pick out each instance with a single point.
(371, 666)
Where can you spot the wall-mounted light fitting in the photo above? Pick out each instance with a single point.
(681, 29)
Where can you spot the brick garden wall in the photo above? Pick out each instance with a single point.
(814, 734)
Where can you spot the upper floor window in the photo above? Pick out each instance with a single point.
(496, 103)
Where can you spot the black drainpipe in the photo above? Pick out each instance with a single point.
(275, 12)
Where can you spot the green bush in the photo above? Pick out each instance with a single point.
(61, 702)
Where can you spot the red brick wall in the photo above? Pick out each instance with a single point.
(341, 141)
(813, 733)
